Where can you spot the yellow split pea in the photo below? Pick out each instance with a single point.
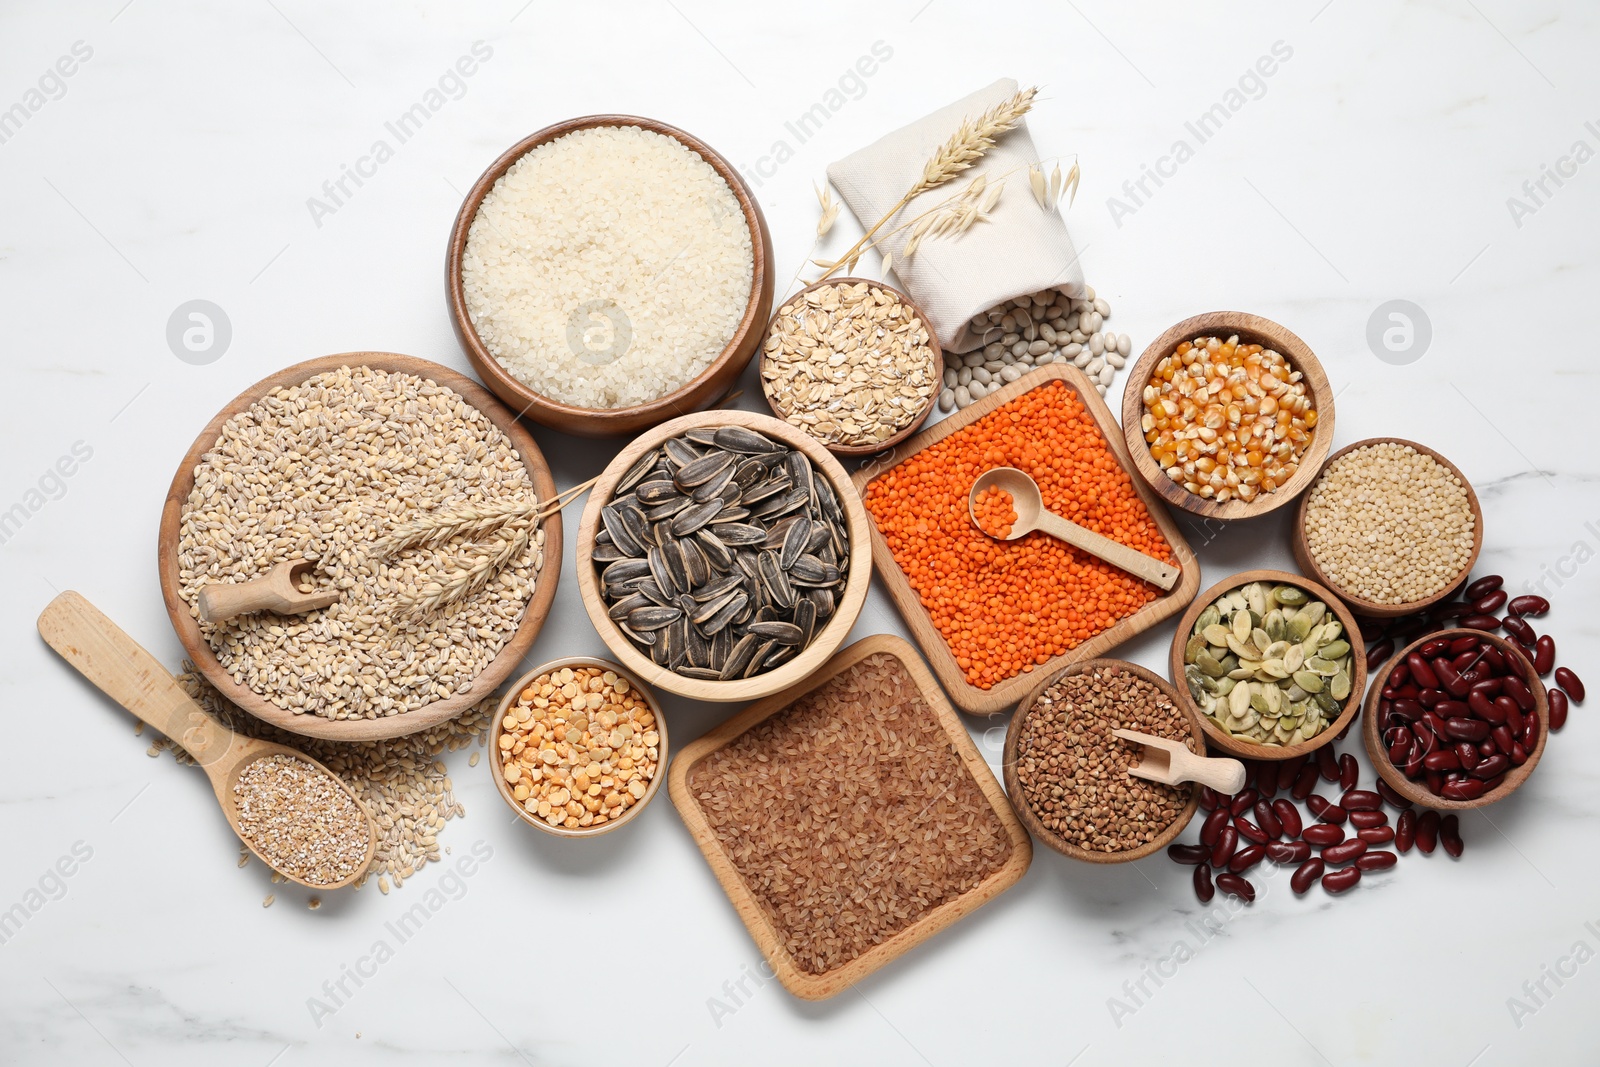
(579, 747)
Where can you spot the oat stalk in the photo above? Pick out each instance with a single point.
(967, 145)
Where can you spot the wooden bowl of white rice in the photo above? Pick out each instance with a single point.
(608, 273)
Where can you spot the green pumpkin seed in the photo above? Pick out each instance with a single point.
(1318, 665)
(1274, 668)
(1299, 628)
(1325, 701)
(1293, 657)
(1217, 634)
(1208, 663)
(1242, 646)
(1290, 596)
(1241, 626)
(1196, 645)
(1223, 686)
(1314, 611)
(1239, 700)
(1311, 683)
(1339, 686)
(1208, 618)
(1275, 625)
(1335, 650)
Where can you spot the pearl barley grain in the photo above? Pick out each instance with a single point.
(1389, 524)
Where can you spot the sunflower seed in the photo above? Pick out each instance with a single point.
(739, 439)
(623, 569)
(653, 618)
(620, 610)
(679, 452)
(656, 492)
(703, 673)
(641, 467)
(714, 488)
(695, 517)
(702, 435)
(719, 555)
(612, 516)
(740, 656)
(730, 610)
(735, 534)
(795, 542)
(785, 633)
(702, 470)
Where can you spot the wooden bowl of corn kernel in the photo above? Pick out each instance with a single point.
(578, 747)
(1189, 452)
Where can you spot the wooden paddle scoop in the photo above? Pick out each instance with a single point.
(1031, 516)
(132, 677)
(278, 592)
(1171, 762)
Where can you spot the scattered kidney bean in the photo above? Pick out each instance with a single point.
(1191, 854)
(1306, 875)
(1305, 781)
(1250, 831)
(1379, 654)
(1490, 603)
(1288, 851)
(1327, 764)
(1267, 819)
(1376, 835)
(1376, 861)
(1339, 881)
(1349, 771)
(1288, 817)
(1519, 628)
(1450, 834)
(1213, 827)
(1483, 587)
(1558, 708)
(1287, 771)
(1405, 831)
(1544, 655)
(1428, 832)
(1227, 841)
(1388, 793)
(1529, 604)
(1323, 834)
(1360, 800)
(1235, 886)
(1366, 820)
(1202, 883)
(1209, 798)
(1481, 622)
(1246, 858)
(1344, 851)
(1567, 679)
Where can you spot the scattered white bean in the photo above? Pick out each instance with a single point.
(950, 379)
(1124, 344)
(947, 400)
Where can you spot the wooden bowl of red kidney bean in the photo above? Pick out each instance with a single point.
(1458, 719)
(1048, 757)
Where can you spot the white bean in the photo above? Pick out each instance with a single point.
(964, 375)
(1102, 308)
(994, 351)
(1048, 357)
(1088, 292)
(993, 365)
(1072, 350)
(1094, 366)
(1011, 373)
(1097, 344)
(981, 376)
(1010, 338)
(973, 359)
(947, 400)
(977, 390)
(1030, 333)
(1038, 348)
(1009, 323)
(1124, 344)
(1116, 359)
(950, 380)
(1081, 360)
(963, 396)
(1019, 348)
(1106, 374)
(1047, 333)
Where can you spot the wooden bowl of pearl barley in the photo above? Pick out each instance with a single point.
(660, 315)
(1390, 526)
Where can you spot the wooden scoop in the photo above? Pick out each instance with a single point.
(278, 592)
(1171, 762)
(132, 677)
(1031, 516)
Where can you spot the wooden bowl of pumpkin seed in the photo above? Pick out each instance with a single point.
(1266, 659)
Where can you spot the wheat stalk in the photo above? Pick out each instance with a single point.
(485, 561)
(439, 527)
(968, 144)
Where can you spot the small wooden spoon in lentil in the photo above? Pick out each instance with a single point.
(125, 672)
(1032, 515)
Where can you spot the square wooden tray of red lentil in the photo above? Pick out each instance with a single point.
(995, 618)
(850, 817)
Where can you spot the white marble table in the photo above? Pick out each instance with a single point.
(1396, 154)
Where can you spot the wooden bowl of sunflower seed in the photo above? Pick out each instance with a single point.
(723, 556)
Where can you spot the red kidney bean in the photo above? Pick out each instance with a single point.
(1464, 644)
(1222, 851)
(1492, 767)
(1266, 780)
(1287, 770)
(1208, 798)
(1376, 835)
(1529, 604)
(1327, 764)
(1435, 780)
(1490, 603)
(1249, 830)
(1360, 800)
(1288, 851)
(1481, 622)
(1517, 689)
(1323, 834)
(1267, 819)
(1450, 834)
(1470, 789)
(1407, 710)
(1544, 655)
(1379, 653)
(1213, 827)
(1414, 758)
(1190, 854)
(1305, 781)
(1469, 729)
(1430, 649)
(1345, 851)
(1339, 881)
(1486, 748)
(1455, 683)
(1366, 820)
(1398, 750)
(1394, 799)
(1422, 671)
(1306, 875)
(1481, 706)
(1349, 771)
(1452, 709)
(1399, 676)
(1503, 739)
(1372, 629)
(1235, 886)
(1558, 708)
(1405, 831)
(1467, 753)
(1465, 661)
(1443, 760)
(1519, 755)
(1288, 817)
(1202, 883)
(1246, 858)
(1482, 587)
(1435, 724)
(1567, 679)
(1376, 861)
(1427, 833)
(1520, 628)
(1427, 697)
(1242, 802)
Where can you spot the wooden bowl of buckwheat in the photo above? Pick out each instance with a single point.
(607, 747)
(853, 363)
(1066, 772)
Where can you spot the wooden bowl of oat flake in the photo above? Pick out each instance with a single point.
(320, 461)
